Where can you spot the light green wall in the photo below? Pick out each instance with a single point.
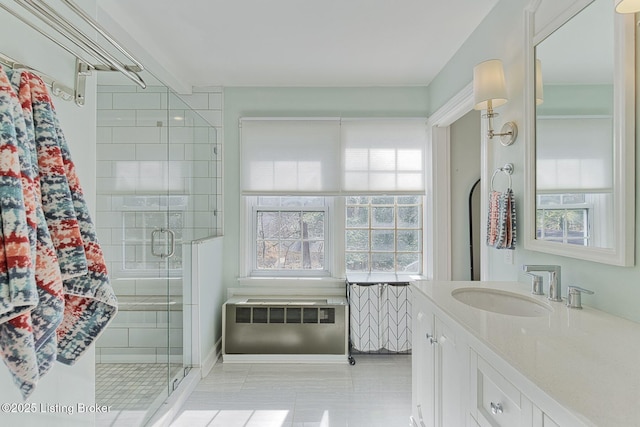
(301, 102)
(502, 35)
(576, 100)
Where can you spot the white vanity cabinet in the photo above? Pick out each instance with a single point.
(458, 380)
(439, 363)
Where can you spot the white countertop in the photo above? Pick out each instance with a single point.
(586, 360)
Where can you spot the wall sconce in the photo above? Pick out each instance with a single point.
(627, 6)
(489, 91)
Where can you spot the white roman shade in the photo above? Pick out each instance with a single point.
(383, 156)
(332, 156)
(290, 156)
(574, 154)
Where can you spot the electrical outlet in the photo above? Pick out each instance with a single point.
(508, 256)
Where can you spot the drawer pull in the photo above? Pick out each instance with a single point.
(496, 408)
(432, 339)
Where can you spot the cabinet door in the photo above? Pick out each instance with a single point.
(422, 361)
(451, 376)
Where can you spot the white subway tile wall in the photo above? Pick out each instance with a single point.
(138, 130)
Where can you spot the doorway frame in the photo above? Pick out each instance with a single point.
(438, 213)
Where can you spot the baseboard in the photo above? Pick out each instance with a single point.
(212, 358)
(285, 358)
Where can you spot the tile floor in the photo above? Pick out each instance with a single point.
(375, 392)
(133, 390)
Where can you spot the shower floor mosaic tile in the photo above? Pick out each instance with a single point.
(130, 389)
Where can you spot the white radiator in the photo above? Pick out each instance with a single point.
(285, 329)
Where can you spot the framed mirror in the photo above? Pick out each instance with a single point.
(580, 155)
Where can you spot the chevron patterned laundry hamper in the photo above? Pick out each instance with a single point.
(380, 317)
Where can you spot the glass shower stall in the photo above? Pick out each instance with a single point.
(157, 191)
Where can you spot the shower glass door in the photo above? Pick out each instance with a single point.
(155, 195)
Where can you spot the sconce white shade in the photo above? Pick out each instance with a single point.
(539, 83)
(627, 6)
(489, 84)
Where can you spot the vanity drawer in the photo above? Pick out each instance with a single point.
(497, 401)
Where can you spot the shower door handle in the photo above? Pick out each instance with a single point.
(172, 243)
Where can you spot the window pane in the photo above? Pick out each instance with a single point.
(290, 225)
(291, 255)
(357, 240)
(382, 240)
(573, 198)
(563, 225)
(313, 225)
(357, 216)
(294, 202)
(268, 225)
(268, 254)
(408, 200)
(409, 241)
(382, 200)
(357, 200)
(575, 220)
(409, 263)
(382, 262)
(290, 240)
(393, 237)
(409, 217)
(315, 257)
(549, 199)
(383, 217)
(269, 201)
(357, 261)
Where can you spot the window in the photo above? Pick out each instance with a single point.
(290, 235)
(322, 162)
(564, 218)
(383, 234)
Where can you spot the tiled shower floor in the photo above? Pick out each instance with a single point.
(130, 389)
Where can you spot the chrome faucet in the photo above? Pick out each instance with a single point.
(555, 289)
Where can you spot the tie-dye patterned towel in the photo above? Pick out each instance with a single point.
(90, 302)
(46, 235)
(18, 290)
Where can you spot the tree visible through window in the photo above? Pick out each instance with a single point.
(563, 218)
(290, 233)
(383, 234)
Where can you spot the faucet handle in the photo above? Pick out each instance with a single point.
(536, 285)
(574, 296)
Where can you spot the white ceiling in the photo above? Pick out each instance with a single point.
(294, 42)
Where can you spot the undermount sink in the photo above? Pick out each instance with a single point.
(501, 302)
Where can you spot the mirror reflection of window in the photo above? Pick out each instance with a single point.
(574, 130)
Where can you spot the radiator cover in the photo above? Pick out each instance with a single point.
(310, 326)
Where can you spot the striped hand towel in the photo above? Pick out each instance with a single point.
(501, 220)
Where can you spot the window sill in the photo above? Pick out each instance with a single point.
(292, 281)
